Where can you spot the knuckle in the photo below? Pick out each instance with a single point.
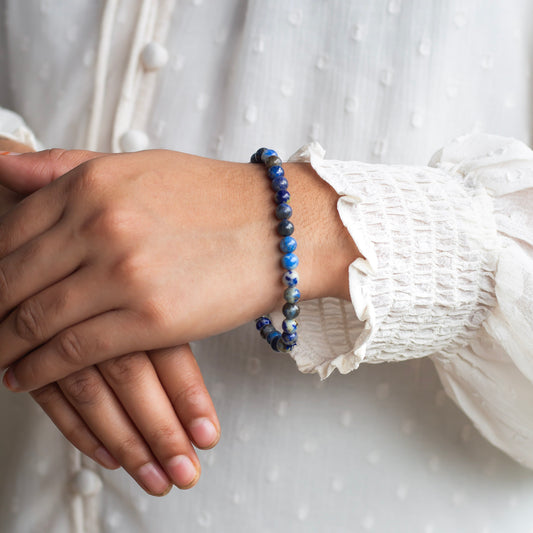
(5, 285)
(29, 320)
(83, 388)
(126, 369)
(47, 395)
(110, 223)
(163, 436)
(127, 447)
(70, 348)
(191, 396)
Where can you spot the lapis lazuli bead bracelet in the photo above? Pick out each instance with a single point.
(286, 340)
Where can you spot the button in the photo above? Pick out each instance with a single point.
(86, 482)
(154, 56)
(133, 141)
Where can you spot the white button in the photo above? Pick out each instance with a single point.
(133, 141)
(86, 482)
(154, 56)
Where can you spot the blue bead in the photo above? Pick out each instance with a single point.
(272, 335)
(289, 261)
(274, 340)
(279, 184)
(285, 227)
(290, 278)
(266, 330)
(289, 338)
(275, 172)
(266, 153)
(287, 245)
(291, 310)
(282, 196)
(282, 347)
(291, 295)
(259, 155)
(273, 161)
(289, 325)
(262, 322)
(283, 211)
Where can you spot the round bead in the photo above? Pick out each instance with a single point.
(261, 322)
(273, 160)
(291, 310)
(275, 172)
(274, 340)
(291, 295)
(289, 261)
(282, 347)
(266, 330)
(290, 278)
(283, 211)
(289, 325)
(289, 338)
(266, 153)
(285, 227)
(253, 159)
(259, 155)
(154, 56)
(282, 196)
(287, 245)
(279, 183)
(272, 335)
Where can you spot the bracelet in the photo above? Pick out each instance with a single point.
(281, 342)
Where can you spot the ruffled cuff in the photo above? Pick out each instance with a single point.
(13, 127)
(426, 281)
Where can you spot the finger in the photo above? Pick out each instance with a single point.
(25, 173)
(36, 265)
(138, 388)
(69, 422)
(181, 377)
(91, 397)
(40, 317)
(102, 337)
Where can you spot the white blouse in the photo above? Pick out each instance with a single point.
(447, 273)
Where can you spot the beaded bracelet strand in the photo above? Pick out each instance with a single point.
(281, 342)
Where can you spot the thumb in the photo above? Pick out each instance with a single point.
(25, 173)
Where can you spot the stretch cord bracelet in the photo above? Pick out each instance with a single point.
(281, 342)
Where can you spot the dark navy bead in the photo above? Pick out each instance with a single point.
(272, 335)
(287, 245)
(289, 261)
(259, 155)
(275, 172)
(273, 160)
(291, 295)
(266, 330)
(289, 325)
(282, 347)
(291, 310)
(274, 340)
(285, 227)
(282, 196)
(283, 211)
(262, 322)
(289, 338)
(290, 278)
(279, 184)
(266, 154)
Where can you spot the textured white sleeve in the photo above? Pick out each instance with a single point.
(12, 126)
(447, 272)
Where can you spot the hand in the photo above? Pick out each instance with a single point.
(138, 251)
(123, 406)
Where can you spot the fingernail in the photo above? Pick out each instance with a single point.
(105, 458)
(153, 479)
(10, 381)
(203, 432)
(10, 153)
(182, 471)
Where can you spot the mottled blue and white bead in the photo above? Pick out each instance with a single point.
(266, 153)
(283, 211)
(282, 196)
(288, 245)
(291, 295)
(282, 347)
(289, 338)
(289, 325)
(285, 227)
(267, 330)
(290, 278)
(279, 184)
(262, 321)
(275, 172)
(274, 340)
(289, 261)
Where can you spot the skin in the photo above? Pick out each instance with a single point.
(114, 254)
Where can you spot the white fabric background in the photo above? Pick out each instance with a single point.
(380, 449)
